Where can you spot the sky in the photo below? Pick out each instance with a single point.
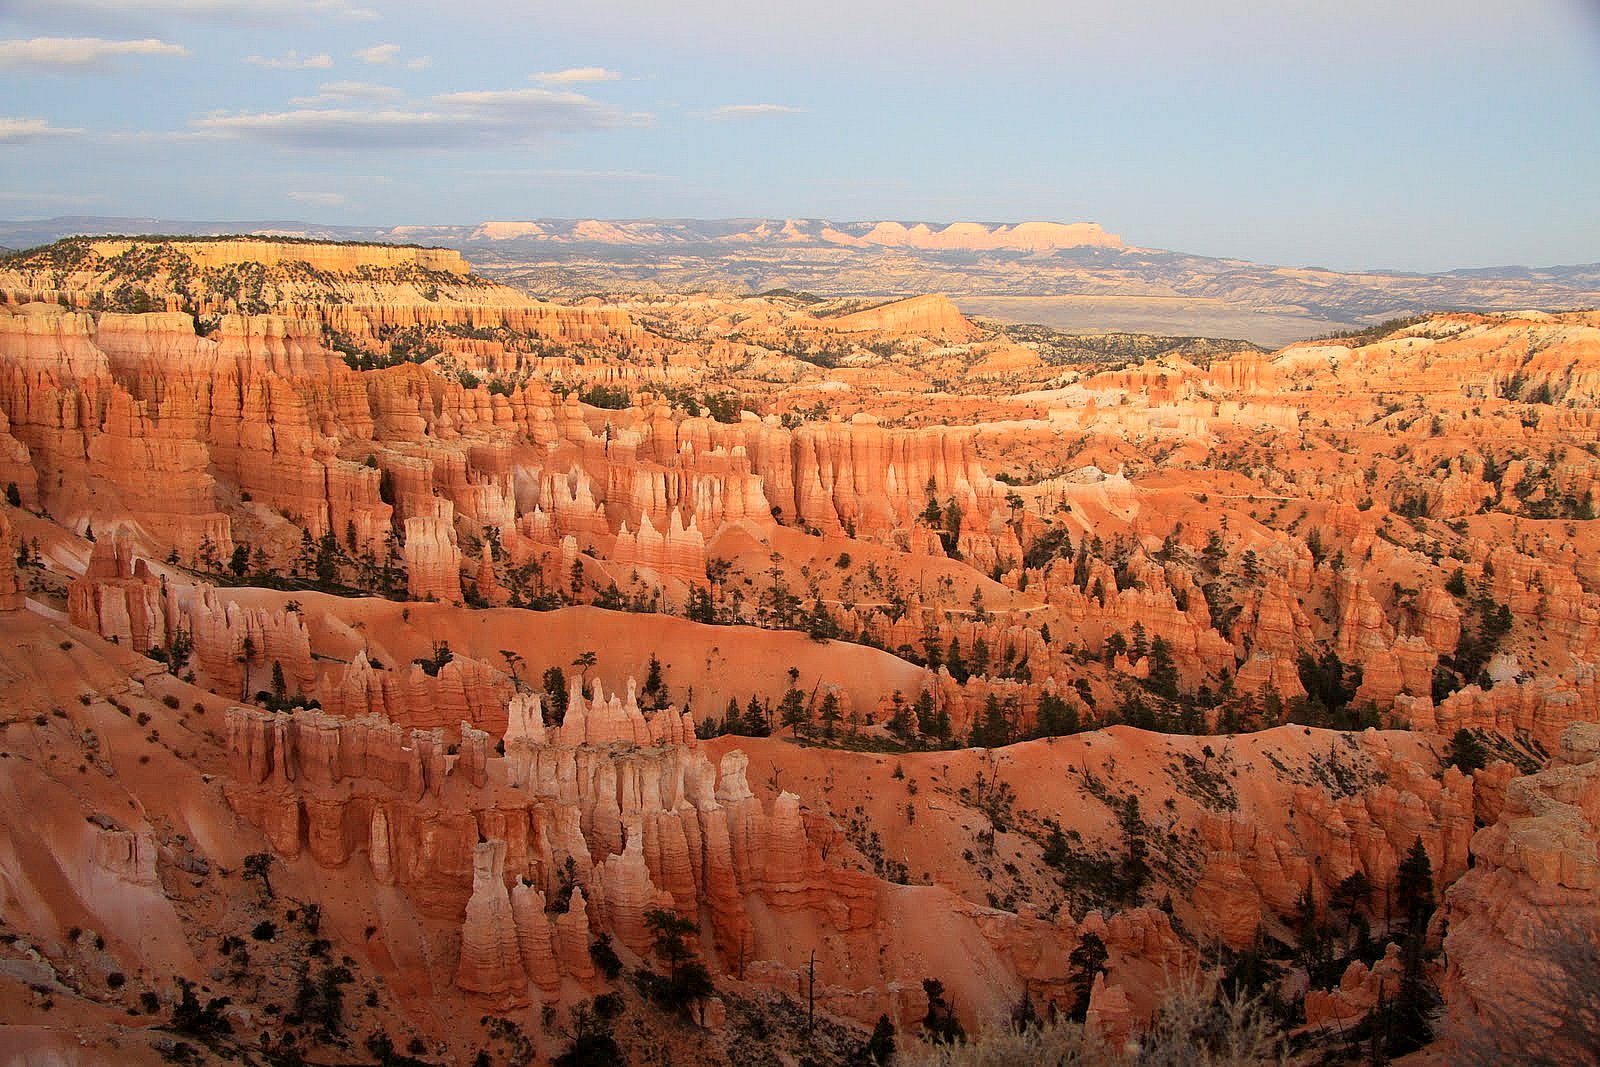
(1362, 134)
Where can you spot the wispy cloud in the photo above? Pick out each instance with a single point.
(79, 53)
(575, 76)
(22, 131)
(379, 54)
(558, 174)
(388, 55)
(319, 199)
(292, 60)
(249, 11)
(342, 92)
(728, 112)
(453, 120)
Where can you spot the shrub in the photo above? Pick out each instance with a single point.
(605, 957)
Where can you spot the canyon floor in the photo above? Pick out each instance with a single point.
(399, 667)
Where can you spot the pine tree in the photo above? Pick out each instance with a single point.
(940, 1022)
(1413, 887)
(924, 711)
(1085, 963)
(1163, 675)
(991, 729)
(1057, 718)
(555, 696)
(732, 718)
(792, 710)
(881, 1045)
(901, 723)
(980, 658)
(654, 691)
(757, 723)
(1467, 753)
(955, 663)
(829, 713)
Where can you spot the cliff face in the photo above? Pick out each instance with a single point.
(437, 527)
(1253, 874)
(933, 317)
(1521, 922)
(11, 598)
(335, 258)
(615, 814)
(342, 433)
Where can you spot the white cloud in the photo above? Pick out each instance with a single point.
(346, 91)
(21, 131)
(387, 55)
(575, 76)
(751, 111)
(251, 11)
(292, 60)
(379, 54)
(558, 174)
(319, 199)
(454, 120)
(79, 53)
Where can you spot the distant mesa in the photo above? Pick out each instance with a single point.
(972, 236)
(934, 317)
(322, 256)
(954, 237)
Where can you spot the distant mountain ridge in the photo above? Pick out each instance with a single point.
(1074, 276)
(1030, 236)
(954, 236)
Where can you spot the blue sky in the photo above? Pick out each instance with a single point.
(1424, 135)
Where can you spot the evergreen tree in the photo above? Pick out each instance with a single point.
(1163, 676)
(991, 729)
(700, 607)
(931, 651)
(940, 1022)
(305, 561)
(1086, 962)
(955, 663)
(757, 723)
(1139, 646)
(732, 718)
(1413, 887)
(1467, 753)
(555, 696)
(901, 722)
(793, 712)
(654, 691)
(924, 712)
(1057, 718)
(829, 713)
(980, 658)
(881, 1045)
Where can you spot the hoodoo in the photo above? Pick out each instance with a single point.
(396, 657)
